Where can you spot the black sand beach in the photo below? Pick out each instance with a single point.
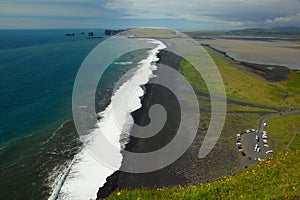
(165, 177)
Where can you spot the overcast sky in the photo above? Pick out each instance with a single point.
(176, 14)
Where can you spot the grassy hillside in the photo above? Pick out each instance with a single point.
(254, 32)
(150, 33)
(242, 87)
(274, 178)
(284, 132)
(265, 33)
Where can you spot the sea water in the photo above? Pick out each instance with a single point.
(40, 151)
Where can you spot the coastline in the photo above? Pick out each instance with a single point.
(272, 73)
(165, 177)
(85, 166)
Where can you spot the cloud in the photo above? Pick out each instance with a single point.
(46, 11)
(292, 20)
(53, 8)
(53, 13)
(217, 14)
(40, 23)
(238, 12)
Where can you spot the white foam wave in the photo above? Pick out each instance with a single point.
(83, 179)
(123, 63)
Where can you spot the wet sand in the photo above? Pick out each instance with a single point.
(268, 52)
(272, 73)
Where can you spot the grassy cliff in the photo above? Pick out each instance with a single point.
(275, 178)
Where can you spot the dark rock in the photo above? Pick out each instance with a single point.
(110, 185)
(70, 34)
(109, 32)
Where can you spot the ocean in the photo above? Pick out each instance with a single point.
(41, 156)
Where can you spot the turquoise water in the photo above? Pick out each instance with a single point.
(10, 39)
(37, 71)
(36, 80)
(37, 136)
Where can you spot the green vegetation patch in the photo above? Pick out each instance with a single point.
(244, 87)
(193, 76)
(284, 132)
(224, 152)
(292, 47)
(275, 178)
(154, 33)
(257, 32)
(293, 83)
(239, 108)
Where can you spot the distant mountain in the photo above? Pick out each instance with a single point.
(276, 32)
(286, 28)
(286, 32)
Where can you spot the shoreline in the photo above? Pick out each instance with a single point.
(166, 176)
(272, 73)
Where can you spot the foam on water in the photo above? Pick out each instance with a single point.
(122, 63)
(85, 175)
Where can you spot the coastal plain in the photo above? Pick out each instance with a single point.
(225, 173)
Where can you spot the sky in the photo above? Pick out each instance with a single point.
(174, 14)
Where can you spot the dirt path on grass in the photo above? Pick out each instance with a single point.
(249, 141)
(291, 141)
(263, 119)
(240, 103)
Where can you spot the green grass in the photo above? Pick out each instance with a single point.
(292, 47)
(239, 108)
(199, 34)
(157, 33)
(281, 131)
(293, 82)
(265, 33)
(224, 153)
(198, 83)
(244, 87)
(275, 178)
(204, 103)
(248, 32)
(296, 142)
(193, 76)
(236, 122)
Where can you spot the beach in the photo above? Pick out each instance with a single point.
(166, 177)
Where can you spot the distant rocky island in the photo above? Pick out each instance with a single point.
(110, 32)
(91, 35)
(70, 34)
